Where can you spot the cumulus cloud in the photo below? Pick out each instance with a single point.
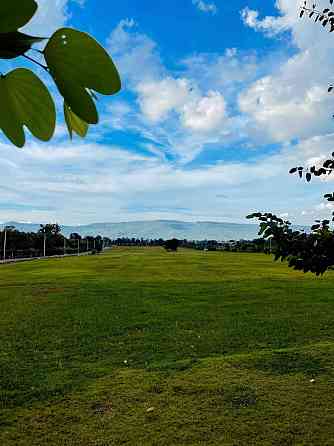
(176, 110)
(287, 110)
(205, 114)
(270, 25)
(196, 112)
(157, 99)
(292, 102)
(279, 106)
(205, 6)
(304, 34)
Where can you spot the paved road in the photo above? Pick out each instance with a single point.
(29, 259)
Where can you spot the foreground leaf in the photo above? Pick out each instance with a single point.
(15, 44)
(25, 101)
(78, 63)
(16, 13)
(74, 123)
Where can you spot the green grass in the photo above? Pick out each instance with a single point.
(144, 347)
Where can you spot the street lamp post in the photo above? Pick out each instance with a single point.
(4, 244)
(6, 229)
(44, 245)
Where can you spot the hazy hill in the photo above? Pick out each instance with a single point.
(158, 229)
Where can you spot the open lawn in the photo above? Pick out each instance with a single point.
(143, 347)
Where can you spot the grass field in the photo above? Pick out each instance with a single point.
(143, 347)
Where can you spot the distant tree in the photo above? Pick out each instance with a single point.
(99, 243)
(172, 245)
(107, 242)
(50, 229)
(51, 240)
(75, 236)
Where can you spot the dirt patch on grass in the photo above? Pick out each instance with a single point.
(105, 408)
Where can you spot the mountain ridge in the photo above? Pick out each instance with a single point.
(154, 229)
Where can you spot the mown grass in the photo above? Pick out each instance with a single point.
(144, 347)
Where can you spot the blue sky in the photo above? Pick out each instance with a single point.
(219, 100)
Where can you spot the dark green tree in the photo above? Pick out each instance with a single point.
(50, 238)
(75, 236)
(50, 229)
(172, 245)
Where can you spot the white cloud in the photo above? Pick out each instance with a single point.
(206, 114)
(269, 25)
(292, 102)
(205, 6)
(286, 110)
(177, 110)
(195, 112)
(157, 99)
(303, 32)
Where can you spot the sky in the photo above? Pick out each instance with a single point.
(219, 100)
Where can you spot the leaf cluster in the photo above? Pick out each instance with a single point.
(308, 252)
(79, 66)
(325, 16)
(308, 172)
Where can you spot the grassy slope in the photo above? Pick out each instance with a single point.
(222, 346)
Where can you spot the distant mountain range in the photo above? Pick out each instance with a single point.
(164, 229)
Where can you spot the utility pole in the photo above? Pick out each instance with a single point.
(6, 229)
(4, 244)
(78, 247)
(64, 246)
(44, 244)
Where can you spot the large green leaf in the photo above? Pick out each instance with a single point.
(15, 44)
(78, 63)
(74, 123)
(15, 13)
(25, 101)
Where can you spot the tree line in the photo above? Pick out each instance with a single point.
(48, 241)
(257, 245)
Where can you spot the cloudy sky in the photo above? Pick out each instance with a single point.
(219, 100)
